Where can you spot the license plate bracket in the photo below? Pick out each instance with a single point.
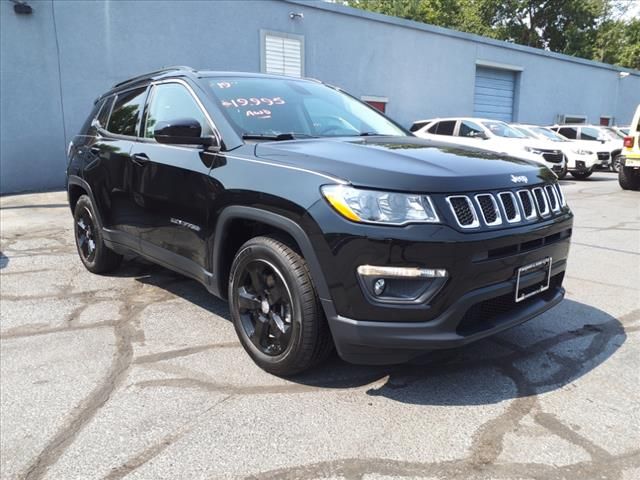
(543, 267)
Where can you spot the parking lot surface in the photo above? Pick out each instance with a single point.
(139, 374)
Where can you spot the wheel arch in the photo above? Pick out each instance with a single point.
(76, 187)
(286, 229)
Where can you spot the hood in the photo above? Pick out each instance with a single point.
(404, 163)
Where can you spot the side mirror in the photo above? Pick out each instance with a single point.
(480, 135)
(183, 131)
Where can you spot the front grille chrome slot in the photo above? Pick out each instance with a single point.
(489, 209)
(563, 200)
(552, 197)
(463, 211)
(510, 207)
(527, 204)
(541, 201)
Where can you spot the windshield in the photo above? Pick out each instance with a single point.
(550, 134)
(613, 133)
(501, 129)
(269, 107)
(525, 132)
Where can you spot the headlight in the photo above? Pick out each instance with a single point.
(537, 151)
(380, 207)
(582, 152)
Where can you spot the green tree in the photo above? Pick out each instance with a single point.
(593, 29)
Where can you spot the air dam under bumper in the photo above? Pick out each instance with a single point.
(478, 314)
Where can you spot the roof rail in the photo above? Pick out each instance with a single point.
(153, 73)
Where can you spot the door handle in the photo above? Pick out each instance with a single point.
(140, 158)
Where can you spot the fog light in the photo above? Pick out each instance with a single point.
(401, 284)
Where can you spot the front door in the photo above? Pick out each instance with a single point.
(173, 185)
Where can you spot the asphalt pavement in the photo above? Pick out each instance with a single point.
(139, 374)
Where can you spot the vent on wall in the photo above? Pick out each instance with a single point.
(573, 119)
(282, 54)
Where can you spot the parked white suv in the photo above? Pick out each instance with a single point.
(580, 154)
(493, 136)
(608, 146)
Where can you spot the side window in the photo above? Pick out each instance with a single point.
(172, 101)
(433, 128)
(589, 134)
(94, 112)
(446, 128)
(103, 116)
(469, 129)
(569, 132)
(126, 112)
(417, 126)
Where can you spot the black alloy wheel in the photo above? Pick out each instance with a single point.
(265, 307)
(95, 255)
(275, 309)
(85, 228)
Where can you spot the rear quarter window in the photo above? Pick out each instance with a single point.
(105, 111)
(94, 112)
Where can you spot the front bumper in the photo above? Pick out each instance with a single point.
(479, 314)
(482, 278)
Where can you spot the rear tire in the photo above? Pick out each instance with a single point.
(629, 179)
(275, 310)
(581, 175)
(94, 254)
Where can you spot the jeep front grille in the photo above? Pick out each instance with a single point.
(494, 209)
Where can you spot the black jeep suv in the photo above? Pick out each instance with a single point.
(320, 220)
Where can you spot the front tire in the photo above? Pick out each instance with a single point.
(275, 309)
(563, 173)
(616, 163)
(95, 255)
(581, 175)
(629, 179)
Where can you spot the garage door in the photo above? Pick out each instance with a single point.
(494, 93)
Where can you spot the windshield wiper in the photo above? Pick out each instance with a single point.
(276, 137)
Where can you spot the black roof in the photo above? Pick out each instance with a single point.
(181, 70)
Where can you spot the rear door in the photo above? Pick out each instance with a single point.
(172, 183)
(110, 167)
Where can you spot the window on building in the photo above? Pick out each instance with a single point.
(379, 103)
(573, 119)
(605, 121)
(170, 101)
(126, 112)
(283, 54)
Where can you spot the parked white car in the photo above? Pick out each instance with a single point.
(608, 146)
(493, 136)
(580, 154)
